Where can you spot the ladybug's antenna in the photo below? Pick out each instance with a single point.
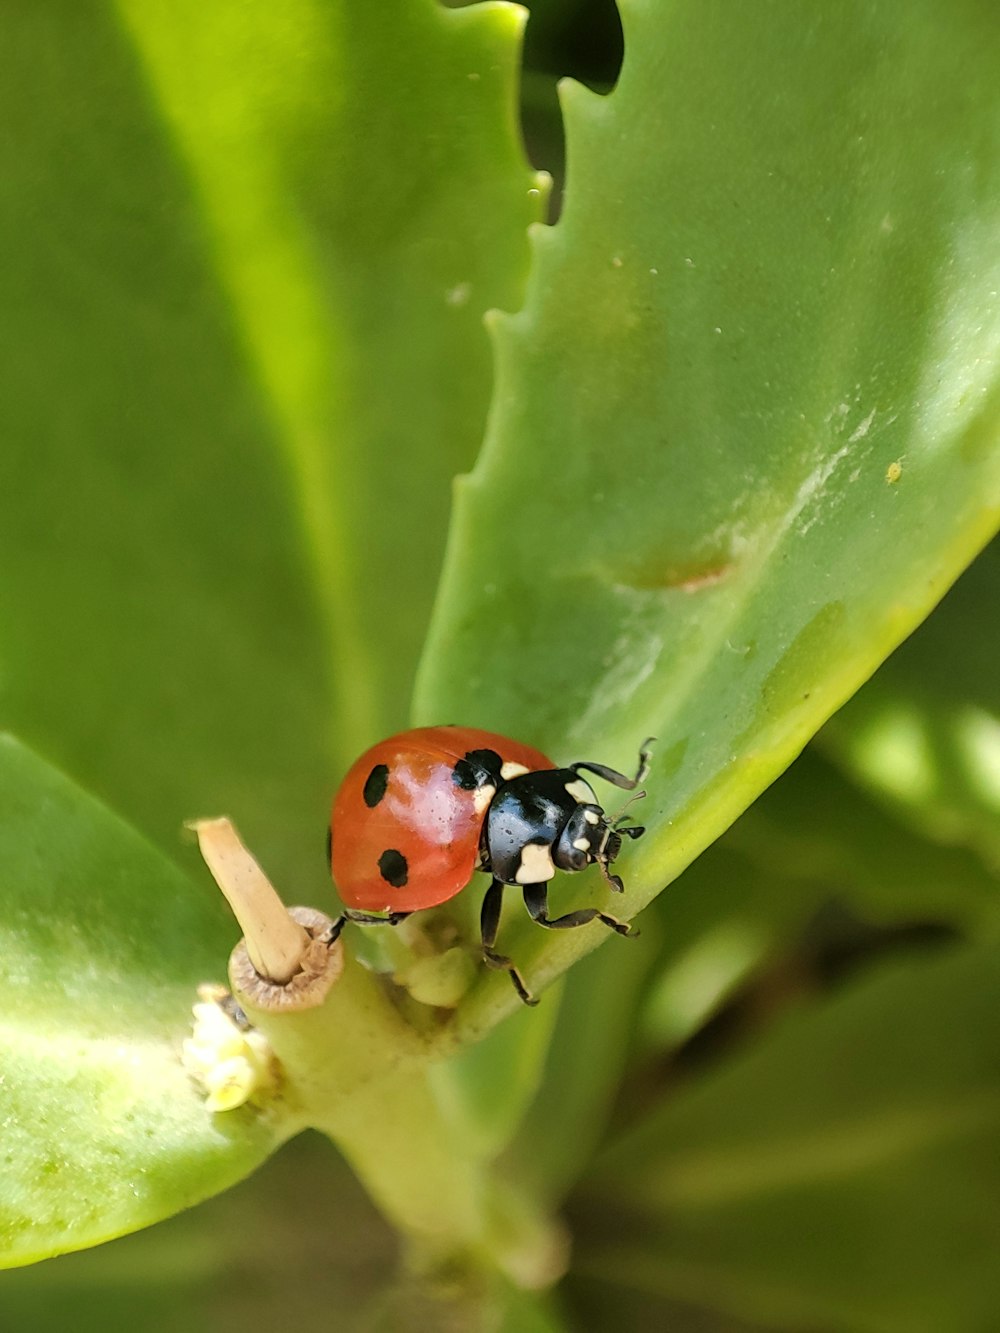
(621, 816)
(618, 828)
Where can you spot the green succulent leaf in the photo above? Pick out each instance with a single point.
(249, 250)
(925, 732)
(191, 1271)
(843, 1174)
(745, 430)
(102, 946)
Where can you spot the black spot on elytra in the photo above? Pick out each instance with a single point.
(477, 769)
(393, 868)
(375, 785)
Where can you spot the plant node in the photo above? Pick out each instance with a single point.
(283, 961)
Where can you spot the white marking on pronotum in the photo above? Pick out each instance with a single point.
(481, 798)
(581, 792)
(582, 844)
(511, 770)
(591, 816)
(536, 864)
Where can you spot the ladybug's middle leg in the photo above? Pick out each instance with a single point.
(362, 919)
(536, 900)
(489, 924)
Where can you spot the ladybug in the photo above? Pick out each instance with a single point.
(418, 813)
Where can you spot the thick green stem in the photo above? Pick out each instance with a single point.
(355, 1067)
(358, 1071)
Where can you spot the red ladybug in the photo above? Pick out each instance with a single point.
(419, 812)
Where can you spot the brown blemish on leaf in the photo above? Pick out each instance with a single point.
(690, 576)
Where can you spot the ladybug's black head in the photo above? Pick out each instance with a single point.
(549, 820)
(589, 837)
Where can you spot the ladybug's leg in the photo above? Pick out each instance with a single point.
(619, 779)
(489, 922)
(363, 919)
(613, 882)
(536, 900)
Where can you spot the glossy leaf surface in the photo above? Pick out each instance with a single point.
(745, 430)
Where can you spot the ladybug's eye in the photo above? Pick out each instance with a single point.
(578, 842)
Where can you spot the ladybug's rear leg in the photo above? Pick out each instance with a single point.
(363, 919)
(536, 900)
(489, 923)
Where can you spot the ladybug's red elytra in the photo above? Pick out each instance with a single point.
(419, 812)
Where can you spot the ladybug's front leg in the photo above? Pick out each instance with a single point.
(536, 900)
(489, 924)
(619, 779)
(363, 919)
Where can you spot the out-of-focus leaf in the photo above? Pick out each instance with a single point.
(842, 1175)
(925, 732)
(813, 864)
(102, 945)
(260, 1253)
(489, 1302)
(745, 429)
(596, 1305)
(591, 1041)
(248, 247)
(486, 1087)
(817, 830)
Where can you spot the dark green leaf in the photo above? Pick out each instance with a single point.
(842, 1175)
